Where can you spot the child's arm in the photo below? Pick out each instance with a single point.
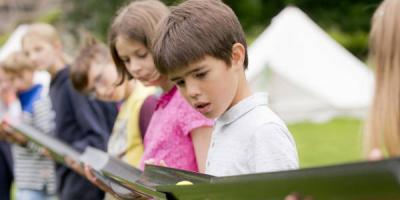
(201, 141)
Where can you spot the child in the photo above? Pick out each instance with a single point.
(383, 130)
(79, 121)
(34, 173)
(9, 105)
(94, 72)
(177, 134)
(201, 47)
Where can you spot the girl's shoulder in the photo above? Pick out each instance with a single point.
(188, 115)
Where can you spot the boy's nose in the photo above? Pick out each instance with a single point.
(193, 91)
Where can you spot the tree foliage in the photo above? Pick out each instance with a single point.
(350, 18)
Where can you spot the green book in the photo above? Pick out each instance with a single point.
(355, 181)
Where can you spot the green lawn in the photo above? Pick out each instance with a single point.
(333, 142)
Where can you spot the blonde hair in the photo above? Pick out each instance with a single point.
(383, 127)
(17, 62)
(46, 33)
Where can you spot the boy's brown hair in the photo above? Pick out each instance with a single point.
(90, 52)
(17, 62)
(136, 21)
(194, 29)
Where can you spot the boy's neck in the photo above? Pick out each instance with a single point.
(243, 91)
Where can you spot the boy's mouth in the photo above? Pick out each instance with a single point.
(202, 107)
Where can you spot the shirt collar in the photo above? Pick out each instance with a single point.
(243, 107)
(166, 98)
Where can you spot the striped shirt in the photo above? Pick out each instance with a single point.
(33, 170)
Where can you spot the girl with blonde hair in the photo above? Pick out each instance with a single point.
(383, 128)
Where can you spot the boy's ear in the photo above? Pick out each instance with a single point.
(238, 55)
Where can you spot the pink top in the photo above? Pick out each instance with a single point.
(167, 137)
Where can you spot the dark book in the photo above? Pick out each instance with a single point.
(158, 175)
(356, 181)
(57, 148)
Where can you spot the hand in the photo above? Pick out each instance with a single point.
(375, 155)
(93, 179)
(98, 183)
(46, 153)
(76, 166)
(12, 136)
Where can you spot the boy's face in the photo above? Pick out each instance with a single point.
(209, 85)
(40, 52)
(138, 61)
(23, 80)
(102, 80)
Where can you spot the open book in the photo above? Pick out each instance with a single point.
(57, 148)
(141, 184)
(356, 181)
(116, 171)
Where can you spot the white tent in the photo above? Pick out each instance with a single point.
(307, 74)
(14, 44)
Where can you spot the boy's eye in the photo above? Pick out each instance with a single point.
(180, 83)
(201, 75)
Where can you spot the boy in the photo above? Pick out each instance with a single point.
(94, 73)
(34, 173)
(201, 47)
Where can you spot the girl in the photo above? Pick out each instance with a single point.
(383, 128)
(178, 136)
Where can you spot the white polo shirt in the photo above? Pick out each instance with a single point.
(250, 138)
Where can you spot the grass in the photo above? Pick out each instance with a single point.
(334, 142)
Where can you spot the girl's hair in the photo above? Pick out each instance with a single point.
(383, 127)
(136, 21)
(47, 33)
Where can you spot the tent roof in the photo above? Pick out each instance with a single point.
(14, 42)
(297, 49)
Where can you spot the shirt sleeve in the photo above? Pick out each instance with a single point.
(272, 148)
(192, 119)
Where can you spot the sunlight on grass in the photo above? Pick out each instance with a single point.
(334, 142)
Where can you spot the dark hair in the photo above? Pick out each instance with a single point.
(136, 21)
(91, 51)
(194, 29)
